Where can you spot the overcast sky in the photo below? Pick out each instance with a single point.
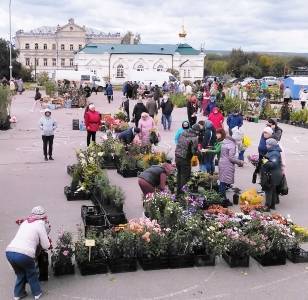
(264, 25)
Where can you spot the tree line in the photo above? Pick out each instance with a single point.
(242, 64)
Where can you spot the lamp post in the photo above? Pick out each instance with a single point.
(11, 67)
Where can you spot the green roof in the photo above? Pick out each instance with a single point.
(165, 49)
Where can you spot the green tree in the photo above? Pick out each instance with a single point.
(236, 60)
(5, 60)
(297, 62)
(249, 70)
(219, 67)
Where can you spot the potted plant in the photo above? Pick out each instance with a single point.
(5, 103)
(91, 260)
(122, 249)
(61, 257)
(128, 166)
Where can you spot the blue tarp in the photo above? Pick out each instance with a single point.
(295, 84)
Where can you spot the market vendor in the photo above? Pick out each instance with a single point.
(155, 178)
(127, 136)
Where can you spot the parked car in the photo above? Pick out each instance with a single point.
(270, 80)
(248, 80)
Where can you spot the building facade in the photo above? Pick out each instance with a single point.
(116, 61)
(49, 48)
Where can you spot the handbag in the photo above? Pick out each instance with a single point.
(266, 180)
(283, 189)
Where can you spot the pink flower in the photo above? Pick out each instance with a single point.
(65, 252)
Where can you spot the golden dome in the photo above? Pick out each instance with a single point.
(183, 33)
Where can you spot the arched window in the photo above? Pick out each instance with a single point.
(140, 68)
(120, 71)
(160, 68)
(36, 46)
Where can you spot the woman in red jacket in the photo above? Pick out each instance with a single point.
(217, 118)
(92, 120)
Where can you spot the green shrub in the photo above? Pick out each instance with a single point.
(230, 104)
(178, 100)
(5, 103)
(50, 88)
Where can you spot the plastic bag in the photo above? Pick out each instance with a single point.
(246, 141)
(194, 161)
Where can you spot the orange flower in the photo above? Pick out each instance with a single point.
(146, 237)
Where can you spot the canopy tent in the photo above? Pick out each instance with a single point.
(295, 84)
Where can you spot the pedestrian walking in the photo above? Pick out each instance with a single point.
(20, 86)
(48, 126)
(151, 107)
(146, 125)
(185, 126)
(287, 95)
(92, 120)
(139, 108)
(192, 110)
(277, 131)
(21, 252)
(125, 107)
(271, 173)
(234, 119)
(217, 118)
(37, 99)
(167, 109)
(186, 147)
(226, 166)
(206, 97)
(155, 178)
(109, 92)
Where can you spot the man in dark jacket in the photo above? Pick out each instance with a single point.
(138, 110)
(127, 136)
(151, 106)
(271, 173)
(233, 120)
(129, 90)
(157, 94)
(186, 147)
(154, 178)
(167, 108)
(277, 131)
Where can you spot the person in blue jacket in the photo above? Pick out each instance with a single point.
(185, 126)
(233, 120)
(127, 136)
(109, 92)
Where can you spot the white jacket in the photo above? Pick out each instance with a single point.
(48, 125)
(28, 237)
(303, 96)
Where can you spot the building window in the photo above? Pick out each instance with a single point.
(45, 46)
(36, 61)
(27, 46)
(36, 46)
(54, 62)
(62, 62)
(45, 62)
(71, 47)
(71, 62)
(140, 68)
(188, 73)
(27, 61)
(160, 68)
(62, 47)
(120, 71)
(80, 46)
(184, 74)
(53, 46)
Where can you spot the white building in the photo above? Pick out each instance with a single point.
(114, 61)
(49, 48)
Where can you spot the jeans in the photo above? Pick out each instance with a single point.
(222, 189)
(208, 167)
(241, 155)
(25, 270)
(184, 172)
(166, 120)
(91, 134)
(47, 142)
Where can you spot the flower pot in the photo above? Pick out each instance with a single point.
(120, 265)
(93, 267)
(63, 269)
(114, 216)
(205, 260)
(94, 216)
(236, 198)
(272, 258)
(181, 261)
(235, 261)
(73, 195)
(109, 163)
(297, 255)
(154, 263)
(128, 173)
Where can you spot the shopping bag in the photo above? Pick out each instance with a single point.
(283, 187)
(246, 141)
(194, 161)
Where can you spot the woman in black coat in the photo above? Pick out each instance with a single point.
(192, 110)
(138, 110)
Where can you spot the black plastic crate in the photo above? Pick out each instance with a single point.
(128, 173)
(93, 267)
(93, 216)
(204, 260)
(298, 255)
(73, 195)
(114, 216)
(236, 261)
(63, 269)
(181, 261)
(154, 263)
(121, 265)
(272, 258)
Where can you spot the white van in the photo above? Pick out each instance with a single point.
(80, 76)
(154, 77)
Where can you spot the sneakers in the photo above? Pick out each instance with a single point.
(38, 296)
(21, 297)
(46, 159)
(50, 158)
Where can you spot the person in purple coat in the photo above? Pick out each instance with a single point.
(226, 166)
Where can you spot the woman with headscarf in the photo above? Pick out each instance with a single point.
(205, 101)
(192, 110)
(92, 120)
(226, 166)
(155, 178)
(217, 118)
(146, 124)
(271, 173)
(208, 142)
(32, 233)
(139, 108)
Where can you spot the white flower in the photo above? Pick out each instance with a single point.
(212, 228)
(100, 154)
